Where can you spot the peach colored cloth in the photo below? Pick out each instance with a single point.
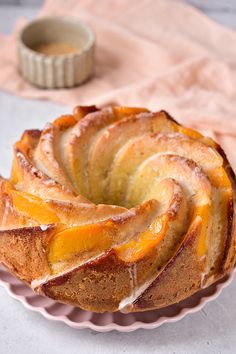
(162, 54)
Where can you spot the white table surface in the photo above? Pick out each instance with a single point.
(212, 330)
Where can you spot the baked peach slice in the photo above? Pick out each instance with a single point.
(10, 218)
(90, 240)
(17, 207)
(79, 112)
(121, 112)
(48, 211)
(23, 243)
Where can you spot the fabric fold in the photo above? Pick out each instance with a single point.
(160, 54)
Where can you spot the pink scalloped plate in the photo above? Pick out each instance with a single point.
(77, 318)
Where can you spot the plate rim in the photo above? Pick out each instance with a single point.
(114, 326)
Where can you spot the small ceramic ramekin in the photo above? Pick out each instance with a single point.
(60, 70)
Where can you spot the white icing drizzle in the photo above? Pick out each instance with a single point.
(203, 276)
(44, 227)
(37, 282)
(7, 208)
(126, 304)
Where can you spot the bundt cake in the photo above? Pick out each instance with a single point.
(118, 209)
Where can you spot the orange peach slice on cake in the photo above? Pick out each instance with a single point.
(97, 238)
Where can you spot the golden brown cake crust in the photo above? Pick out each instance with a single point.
(118, 209)
(23, 251)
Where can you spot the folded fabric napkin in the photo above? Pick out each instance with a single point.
(161, 54)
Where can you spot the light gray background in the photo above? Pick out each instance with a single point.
(212, 330)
